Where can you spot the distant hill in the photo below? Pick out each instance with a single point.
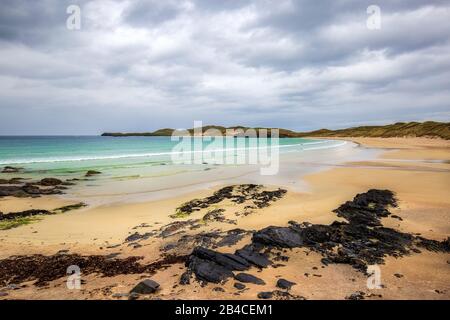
(283, 133)
(429, 129)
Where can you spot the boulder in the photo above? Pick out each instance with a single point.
(227, 260)
(283, 237)
(147, 286)
(208, 271)
(248, 278)
(254, 257)
(285, 284)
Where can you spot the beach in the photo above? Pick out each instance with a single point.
(417, 170)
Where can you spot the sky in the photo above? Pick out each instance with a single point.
(143, 65)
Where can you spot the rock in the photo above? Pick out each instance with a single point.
(185, 278)
(91, 173)
(13, 191)
(254, 257)
(50, 182)
(9, 169)
(227, 260)
(208, 271)
(219, 289)
(137, 236)
(398, 275)
(236, 194)
(3, 294)
(23, 214)
(265, 295)
(147, 286)
(279, 237)
(359, 295)
(120, 295)
(248, 278)
(285, 284)
(239, 286)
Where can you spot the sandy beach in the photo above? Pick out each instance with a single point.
(417, 170)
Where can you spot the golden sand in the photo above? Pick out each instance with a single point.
(422, 188)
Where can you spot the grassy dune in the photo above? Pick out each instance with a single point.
(428, 129)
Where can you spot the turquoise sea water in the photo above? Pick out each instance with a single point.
(141, 168)
(78, 153)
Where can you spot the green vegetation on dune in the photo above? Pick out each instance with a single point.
(17, 222)
(429, 129)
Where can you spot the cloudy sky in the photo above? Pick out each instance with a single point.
(143, 65)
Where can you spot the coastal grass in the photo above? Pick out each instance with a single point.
(20, 221)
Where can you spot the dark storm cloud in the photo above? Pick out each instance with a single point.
(140, 65)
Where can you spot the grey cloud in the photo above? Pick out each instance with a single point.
(141, 65)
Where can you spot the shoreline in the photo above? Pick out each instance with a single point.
(417, 189)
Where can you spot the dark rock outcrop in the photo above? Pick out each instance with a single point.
(251, 254)
(237, 194)
(359, 242)
(265, 295)
(15, 187)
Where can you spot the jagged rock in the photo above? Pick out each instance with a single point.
(285, 284)
(249, 278)
(279, 236)
(91, 173)
(208, 271)
(227, 260)
(237, 194)
(147, 286)
(360, 242)
(254, 257)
